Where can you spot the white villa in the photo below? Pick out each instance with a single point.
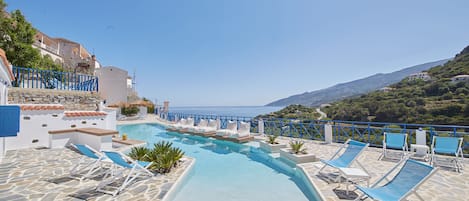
(419, 76)
(460, 78)
(66, 52)
(113, 84)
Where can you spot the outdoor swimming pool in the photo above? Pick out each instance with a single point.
(228, 171)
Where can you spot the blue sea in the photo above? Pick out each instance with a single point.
(243, 111)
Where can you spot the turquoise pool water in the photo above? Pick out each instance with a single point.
(228, 171)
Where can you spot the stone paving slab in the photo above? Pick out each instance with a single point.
(445, 184)
(43, 174)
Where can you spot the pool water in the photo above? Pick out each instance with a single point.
(226, 170)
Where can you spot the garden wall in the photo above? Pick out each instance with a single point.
(71, 100)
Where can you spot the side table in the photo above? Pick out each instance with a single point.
(354, 175)
(419, 151)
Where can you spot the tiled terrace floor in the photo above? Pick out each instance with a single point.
(446, 184)
(42, 174)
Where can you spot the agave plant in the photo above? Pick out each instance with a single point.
(139, 153)
(164, 156)
(297, 147)
(271, 139)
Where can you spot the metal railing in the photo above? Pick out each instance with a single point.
(47, 79)
(370, 132)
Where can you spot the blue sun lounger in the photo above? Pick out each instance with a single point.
(353, 149)
(85, 164)
(121, 165)
(450, 146)
(394, 141)
(406, 182)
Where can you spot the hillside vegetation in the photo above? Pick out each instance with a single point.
(293, 111)
(353, 88)
(437, 101)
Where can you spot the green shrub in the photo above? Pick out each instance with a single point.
(271, 139)
(297, 147)
(129, 110)
(163, 156)
(139, 153)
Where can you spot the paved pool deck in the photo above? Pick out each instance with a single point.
(445, 184)
(42, 174)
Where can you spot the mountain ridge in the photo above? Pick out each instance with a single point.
(353, 88)
(442, 100)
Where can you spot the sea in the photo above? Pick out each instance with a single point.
(242, 111)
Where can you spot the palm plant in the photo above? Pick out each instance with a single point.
(297, 147)
(271, 139)
(164, 156)
(139, 153)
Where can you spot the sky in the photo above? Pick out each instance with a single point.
(253, 52)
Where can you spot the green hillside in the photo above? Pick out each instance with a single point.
(437, 101)
(293, 112)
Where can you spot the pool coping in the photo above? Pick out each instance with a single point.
(316, 188)
(172, 191)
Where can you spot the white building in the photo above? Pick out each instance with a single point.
(419, 76)
(386, 89)
(66, 52)
(48, 46)
(112, 83)
(460, 78)
(6, 76)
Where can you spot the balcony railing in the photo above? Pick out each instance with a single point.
(370, 132)
(47, 79)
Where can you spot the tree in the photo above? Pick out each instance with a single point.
(17, 37)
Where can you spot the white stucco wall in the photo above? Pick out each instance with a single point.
(112, 84)
(142, 112)
(5, 81)
(35, 127)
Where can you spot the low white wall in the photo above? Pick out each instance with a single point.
(142, 112)
(35, 127)
(110, 119)
(61, 140)
(96, 142)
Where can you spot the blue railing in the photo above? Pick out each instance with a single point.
(370, 132)
(47, 79)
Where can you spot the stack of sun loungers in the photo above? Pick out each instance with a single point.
(182, 125)
(209, 128)
(206, 128)
(235, 134)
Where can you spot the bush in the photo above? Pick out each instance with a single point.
(163, 156)
(129, 110)
(151, 109)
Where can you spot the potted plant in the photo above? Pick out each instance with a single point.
(297, 153)
(271, 145)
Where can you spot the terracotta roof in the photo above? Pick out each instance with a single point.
(41, 107)
(6, 63)
(118, 104)
(141, 103)
(84, 113)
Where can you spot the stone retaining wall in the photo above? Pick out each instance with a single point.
(71, 100)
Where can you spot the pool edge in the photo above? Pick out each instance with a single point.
(171, 192)
(310, 180)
